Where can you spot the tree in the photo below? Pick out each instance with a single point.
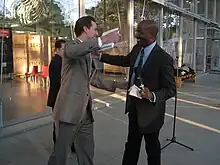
(108, 13)
(116, 12)
(46, 16)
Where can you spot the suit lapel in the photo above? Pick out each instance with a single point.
(151, 56)
(88, 60)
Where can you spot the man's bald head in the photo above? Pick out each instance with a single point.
(147, 32)
(151, 26)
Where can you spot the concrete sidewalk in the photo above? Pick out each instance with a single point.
(197, 126)
(34, 146)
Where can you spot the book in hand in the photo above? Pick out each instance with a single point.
(110, 31)
(109, 45)
(135, 92)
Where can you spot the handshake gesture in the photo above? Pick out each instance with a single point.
(112, 36)
(108, 38)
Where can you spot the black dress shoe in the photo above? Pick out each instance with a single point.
(73, 150)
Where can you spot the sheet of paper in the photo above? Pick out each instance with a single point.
(110, 31)
(107, 46)
(135, 91)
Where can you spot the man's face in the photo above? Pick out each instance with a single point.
(142, 35)
(60, 50)
(92, 31)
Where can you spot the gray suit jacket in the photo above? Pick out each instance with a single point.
(74, 95)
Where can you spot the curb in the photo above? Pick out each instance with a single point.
(26, 126)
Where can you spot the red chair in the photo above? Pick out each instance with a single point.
(45, 72)
(33, 74)
(44, 75)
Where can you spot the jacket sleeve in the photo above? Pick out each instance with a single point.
(118, 60)
(73, 50)
(168, 84)
(55, 78)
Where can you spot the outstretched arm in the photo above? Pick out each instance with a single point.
(118, 60)
(74, 50)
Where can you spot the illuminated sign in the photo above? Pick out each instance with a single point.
(4, 33)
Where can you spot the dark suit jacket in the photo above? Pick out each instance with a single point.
(158, 76)
(55, 78)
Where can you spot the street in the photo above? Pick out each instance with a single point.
(198, 113)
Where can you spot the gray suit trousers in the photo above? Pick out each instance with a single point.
(82, 135)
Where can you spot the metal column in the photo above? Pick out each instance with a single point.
(214, 10)
(2, 54)
(160, 37)
(205, 37)
(180, 39)
(194, 37)
(81, 8)
(130, 19)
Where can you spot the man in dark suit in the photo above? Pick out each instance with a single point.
(151, 69)
(55, 78)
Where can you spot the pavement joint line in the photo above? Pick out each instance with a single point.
(114, 95)
(38, 147)
(198, 96)
(179, 118)
(196, 124)
(185, 101)
(203, 86)
(201, 74)
(199, 104)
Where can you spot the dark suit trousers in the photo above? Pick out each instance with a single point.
(133, 144)
(54, 131)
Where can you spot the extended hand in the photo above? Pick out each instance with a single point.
(146, 93)
(95, 54)
(111, 37)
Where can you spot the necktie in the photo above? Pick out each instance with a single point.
(138, 70)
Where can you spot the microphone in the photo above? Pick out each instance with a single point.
(140, 77)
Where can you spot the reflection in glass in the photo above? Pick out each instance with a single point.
(188, 41)
(200, 46)
(188, 5)
(210, 9)
(218, 11)
(201, 7)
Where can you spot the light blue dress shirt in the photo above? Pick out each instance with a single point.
(147, 52)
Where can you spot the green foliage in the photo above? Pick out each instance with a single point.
(111, 18)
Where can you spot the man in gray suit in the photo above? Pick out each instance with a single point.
(73, 107)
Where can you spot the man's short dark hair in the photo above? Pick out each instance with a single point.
(58, 43)
(85, 21)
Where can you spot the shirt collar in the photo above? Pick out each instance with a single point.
(80, 40)
(150, 47)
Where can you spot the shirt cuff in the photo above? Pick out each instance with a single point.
(100, 56)
(153, 100)
(99, 42)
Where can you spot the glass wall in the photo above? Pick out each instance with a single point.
(176, 2)
(218, 11)
(171, 32)
(201, 7)
(210, 9)
(200, 46)
(188, 41)
(188, 5)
